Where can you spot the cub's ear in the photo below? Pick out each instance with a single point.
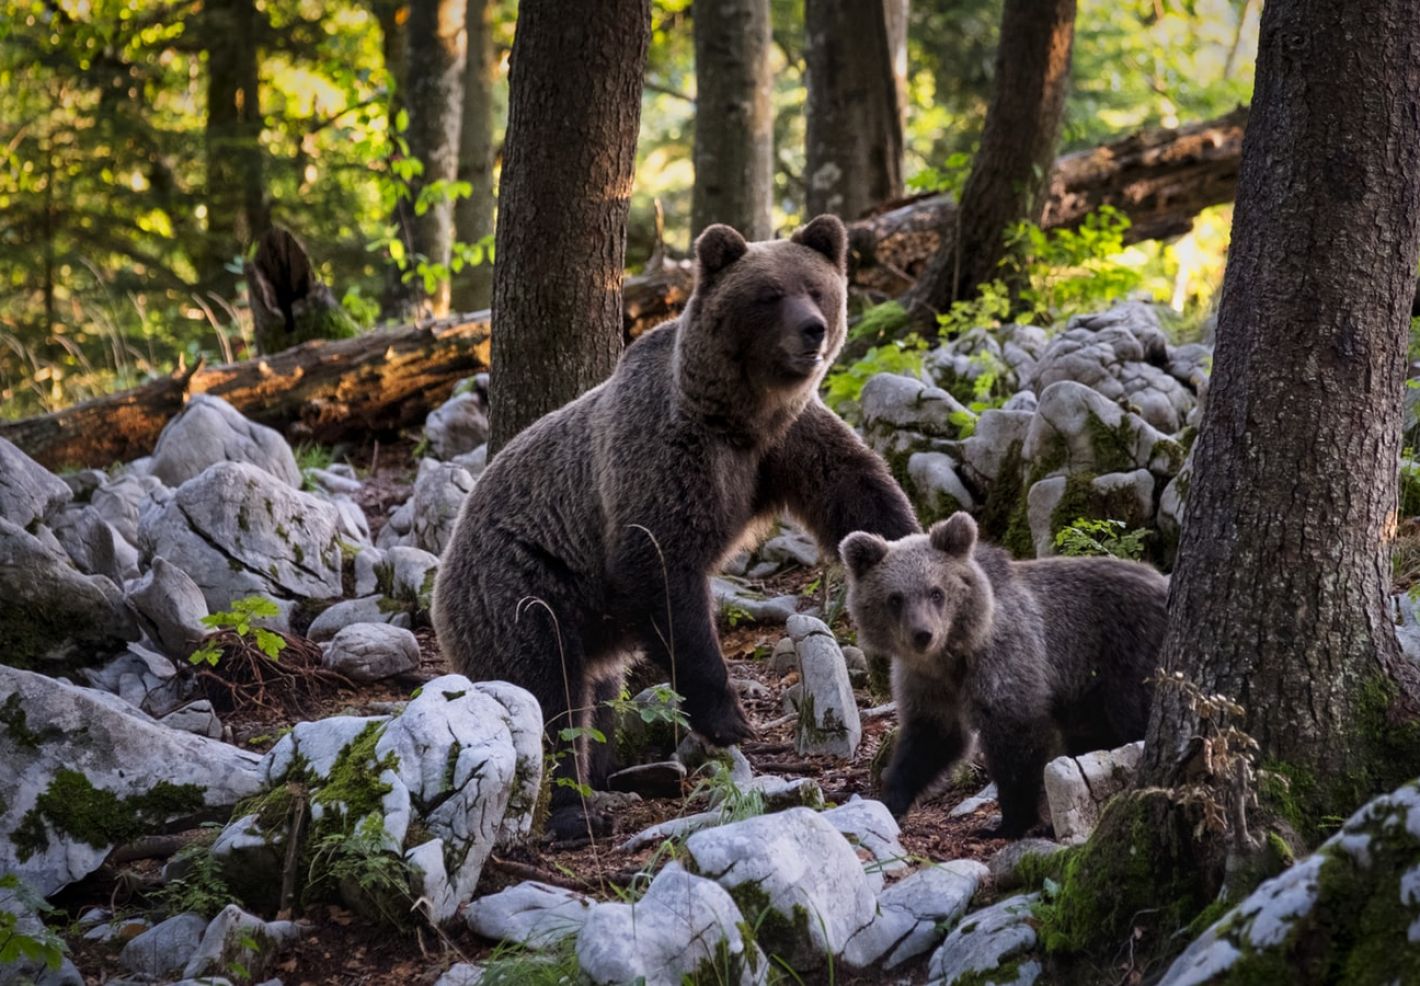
(828, 236)
(956, 535)
(717, 248)
(860, 551)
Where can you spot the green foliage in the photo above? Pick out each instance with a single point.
(1086, 537)
(238, 620)
(96, 817)
(717, 783)
(664, 706)
(358, 863)
(1066, 272)
(200, 889)
(514, 965)
(991, 306)
(43, 946)
(949, 178)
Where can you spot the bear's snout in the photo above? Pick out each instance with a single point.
(922, 639)
(812, 331)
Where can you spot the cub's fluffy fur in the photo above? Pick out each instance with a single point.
(591, 536)
(1040, 657)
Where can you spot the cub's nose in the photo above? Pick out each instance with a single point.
(813, 332)
(921, 639)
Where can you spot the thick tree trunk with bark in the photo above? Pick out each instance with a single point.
(734, 121)
(1008, 174)
(1279, 599)
(854, 140)
(434, 79)
(473, 216)
(574, 108)
(236, 199)
(289, 302)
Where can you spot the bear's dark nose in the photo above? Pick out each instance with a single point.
(921, 639)
(813, 332)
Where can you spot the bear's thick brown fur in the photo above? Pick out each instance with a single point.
(591, 536)
(1041, 657)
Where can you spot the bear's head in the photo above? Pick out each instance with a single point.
(768, 317)
(922, 599)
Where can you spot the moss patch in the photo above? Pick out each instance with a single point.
(73, 806)
(16, 725)
(353, 786)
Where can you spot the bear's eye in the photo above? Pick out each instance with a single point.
(895, 602)
(937, 596)
(770, 296)
(816, 295)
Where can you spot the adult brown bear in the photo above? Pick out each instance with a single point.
(591, 537)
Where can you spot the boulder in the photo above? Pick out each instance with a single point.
(1077, 430)
(29, 492)
(685, 929)
(794, 877)
(365, 652)
(738, 603)
(1056, 502)
(122, 501)
(208, 431)
(457, 426)
(237, 531)
(870, 827)
(85, 772)
(235, 939)
(532, 914)
(828, 712)
(935, 488)
(164, 950)
(94, 545)
(1078, 787)
(914, 914)
(439, 493)
(993, 945)
(169, 607)
(53, 617)
(361, 611)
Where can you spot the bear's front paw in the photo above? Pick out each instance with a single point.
(724, 725)
(574, 825)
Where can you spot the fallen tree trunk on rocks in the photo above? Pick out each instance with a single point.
(324, 391)
(383, 381)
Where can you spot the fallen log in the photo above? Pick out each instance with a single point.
(378, 383)
(324, 390)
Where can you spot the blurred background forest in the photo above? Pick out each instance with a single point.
(146, 144)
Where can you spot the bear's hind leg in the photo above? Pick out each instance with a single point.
(1016, 755)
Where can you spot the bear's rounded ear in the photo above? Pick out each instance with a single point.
(828, 236)
(956, 535)
(717, 248)
(860, 551)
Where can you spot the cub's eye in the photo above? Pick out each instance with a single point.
(937, 596)
(816, 295)
(895, 602)
(770, 296)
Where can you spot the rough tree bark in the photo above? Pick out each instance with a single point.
(235, 197)
(1009, 172)
(1279, 599)
(854, 140)
(734, 121)
(289, 302)
(574, 107)
(434, 78)
(473, 215)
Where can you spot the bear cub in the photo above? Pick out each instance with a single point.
(1041, 658)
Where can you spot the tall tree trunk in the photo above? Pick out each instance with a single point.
(1008, 176)
(734, 121)
(574, 108)
(854, 117)
(236, 204)
(434, 69)
(473, 216)
(1280, 596)
(392, 18)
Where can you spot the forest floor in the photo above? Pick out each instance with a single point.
(344, 947)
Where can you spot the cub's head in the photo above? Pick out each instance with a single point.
(772, 313)
(920, 598)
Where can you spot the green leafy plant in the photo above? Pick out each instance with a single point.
(359, 862)
(718, 785)
(1067, 272)
(991, 306)
(238, 620)
(43, 946)
(949, 178)
(200, 889)
(662, 705)
(1088, 537)
(736, 615)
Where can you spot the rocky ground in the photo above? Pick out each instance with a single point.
(239, 753)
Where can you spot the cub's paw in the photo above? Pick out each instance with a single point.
(724, 725)
(574, 825)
